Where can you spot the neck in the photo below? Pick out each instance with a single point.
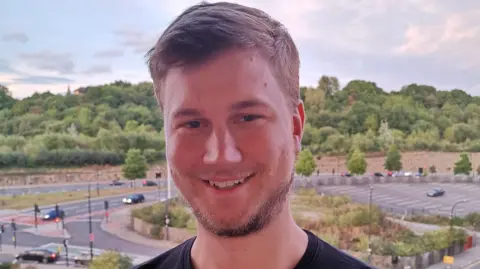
(280, 244)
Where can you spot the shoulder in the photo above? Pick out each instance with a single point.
(171, 259)
(328, 256)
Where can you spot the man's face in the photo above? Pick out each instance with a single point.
(231, 140)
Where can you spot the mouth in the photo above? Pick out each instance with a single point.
(229, 184)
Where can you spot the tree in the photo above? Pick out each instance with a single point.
(463, 166)
(111, 260)
(385, 135)
(433, 169)
(356, 162)
(305, 164)
(393, 161)
(135, 165)
(473, 219)
(329, 85)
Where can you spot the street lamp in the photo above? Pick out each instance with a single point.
(451, 219)
(370, 223)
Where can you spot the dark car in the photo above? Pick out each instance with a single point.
(149, 183)
(377, 174)
(116, 182)
(435, 193)
(134, 199)
(346, 174)
(53, 214)
(38, 255)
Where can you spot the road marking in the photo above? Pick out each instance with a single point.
(408, 203)
(472, 265)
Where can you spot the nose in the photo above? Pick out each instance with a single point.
(221, 148)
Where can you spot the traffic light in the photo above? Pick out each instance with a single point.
(158, 175)
(105, 204)
(57, 210)
(14, 226)
(36, 209)
(2, 228)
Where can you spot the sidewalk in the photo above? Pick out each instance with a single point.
(462, 260)
(118, 225)
(53, 184)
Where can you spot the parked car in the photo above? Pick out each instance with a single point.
(346, 174)
(52, 214)
(436, 192)
(377, 174)
(148, 183)
(116, 182)
(38, 255)
(134, 199)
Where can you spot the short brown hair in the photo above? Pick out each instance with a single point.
(205, 30)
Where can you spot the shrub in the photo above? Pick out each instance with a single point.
(155, 214)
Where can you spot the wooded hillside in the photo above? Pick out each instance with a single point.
(99, 125)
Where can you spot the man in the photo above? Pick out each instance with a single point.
(227, 79)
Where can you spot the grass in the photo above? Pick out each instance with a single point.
(26, 201)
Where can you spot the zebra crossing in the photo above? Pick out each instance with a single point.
(412, 198)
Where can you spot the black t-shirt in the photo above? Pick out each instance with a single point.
(319, 254)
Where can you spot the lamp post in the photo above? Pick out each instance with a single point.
(370, 223)
(451, 221)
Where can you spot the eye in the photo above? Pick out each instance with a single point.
(250, 117)
(192, 124)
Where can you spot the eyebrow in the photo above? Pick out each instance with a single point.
(192, 112)
(247, 104)
(186, 112)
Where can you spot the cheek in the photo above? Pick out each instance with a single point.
(271, 146)
(184, 152)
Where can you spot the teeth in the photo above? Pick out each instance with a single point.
(226, 184)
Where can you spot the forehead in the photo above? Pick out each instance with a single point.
(231, 77)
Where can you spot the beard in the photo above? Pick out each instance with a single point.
(266, 212)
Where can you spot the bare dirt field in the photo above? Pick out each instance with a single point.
(443, 161)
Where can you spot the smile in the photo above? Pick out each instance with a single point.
(230, 184)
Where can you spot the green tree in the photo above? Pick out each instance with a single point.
(463, 166)
(111, 260)
(393, 161)
(135, 165)
(473, 219)
(356, 162)
(385, 136)
(305, 164)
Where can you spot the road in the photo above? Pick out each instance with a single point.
(38, 189)
(76, 223)
(68, 187)
(398, 197)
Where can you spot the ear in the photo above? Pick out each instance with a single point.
(298, 125)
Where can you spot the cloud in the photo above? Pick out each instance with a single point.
(456, 30)
(50, 61)
(15, 37)
(139, 42)
(41, 80)
(97, 69)
(5, 67)
(111, 53)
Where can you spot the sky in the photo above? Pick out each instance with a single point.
(51, 44)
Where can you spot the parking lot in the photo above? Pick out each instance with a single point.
(411, 198)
